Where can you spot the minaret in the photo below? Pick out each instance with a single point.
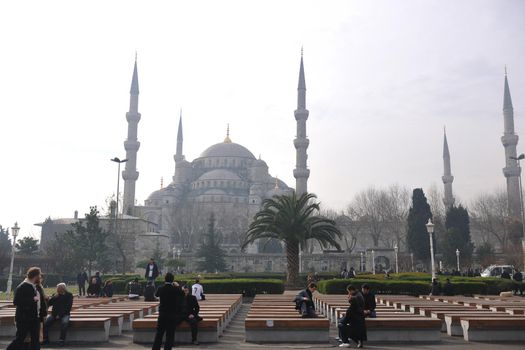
(131, 145)
(510, 140)
(447, 178)
(301, 172)
(179, 155)
(182, 166)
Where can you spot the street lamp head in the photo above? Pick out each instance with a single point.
(521, 156)
(430, 226)
(15, 229)
(457, 251)
(395, 246)
(117, 160)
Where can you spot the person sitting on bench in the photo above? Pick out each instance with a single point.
(370, 301)
(352, 325)
(190, 312)
(134, 289)
(61, 303)
(149, 292)
(304, 302)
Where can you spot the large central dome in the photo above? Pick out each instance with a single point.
(227, 149)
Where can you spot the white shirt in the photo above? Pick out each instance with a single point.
(150, 270)
(197, 291)
(37, 295)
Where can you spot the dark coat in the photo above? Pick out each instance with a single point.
(435, 289)
(108, 290)
(170, 306)
(370, 301)
(305, 293)
(93, 289)
(448, 289)
(61, 304)
(190, 306)
(42, 313)
(82, 278)
(149, 293)
(355, 318)
(155, 271)
(26, 306)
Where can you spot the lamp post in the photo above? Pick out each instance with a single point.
(361, 261)
(412, 261)
(373, 262)
(518, 159)
(457, 259)
(430, 230)
(300, 259)
(396, 250)
(118, 161)
(14, 231)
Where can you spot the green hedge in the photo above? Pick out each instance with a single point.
(408, 287)
(245, 286)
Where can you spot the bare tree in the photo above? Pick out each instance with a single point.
(185, 223)
(395, 216)
(349, 226)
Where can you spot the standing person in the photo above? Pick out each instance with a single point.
(351, 273)
(152, 271)
(190, 312)
(61, 302)
(352, 326)
(27, 302)
(436, 287)
(196, 289)
(108, 289)
(81, 281)
(448, 289)
(99, 283)
(518, 285)
(42, 312)
(370, 301)
(304, 301)
(170, 296)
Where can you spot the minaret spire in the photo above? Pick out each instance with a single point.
(179, 154)
(447, 178)
(227, 139)
(131, 145)
(301, 142)
(509, 139)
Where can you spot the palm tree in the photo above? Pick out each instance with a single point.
(292, 220)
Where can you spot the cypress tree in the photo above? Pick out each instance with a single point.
(418, 241)
(457, 223)
(210, 251)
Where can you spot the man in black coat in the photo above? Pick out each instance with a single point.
(190, 312)
(304, 301)
(370, 301)
(170, 312)
(82, 278)
(27, 302)
(352, 325)
(61, 303)
(152, 271)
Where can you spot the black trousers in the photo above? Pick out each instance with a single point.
(22, 330)
(165, 325)
(81, 289)
(194, 326)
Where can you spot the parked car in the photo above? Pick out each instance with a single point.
(497, 270)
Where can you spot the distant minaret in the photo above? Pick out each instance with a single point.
(447, 178)
(179, 155)
(301, 172)
(510, 140)
(131, 145)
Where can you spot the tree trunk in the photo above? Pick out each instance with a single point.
(292, 265)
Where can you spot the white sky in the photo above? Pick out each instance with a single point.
(383, 77)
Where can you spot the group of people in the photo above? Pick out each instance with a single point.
(95, 286)
(176, 305)
(32, 311)
(362, 304)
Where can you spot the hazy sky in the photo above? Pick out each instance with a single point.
(383, 78)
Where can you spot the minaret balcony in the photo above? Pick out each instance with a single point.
(131, 145)
(132, 117)
(130, 175)
(509, 140)
(447, 179)
(301, 114)
(301, 143)
(511, 171)
(301, 173)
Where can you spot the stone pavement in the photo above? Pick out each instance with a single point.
(233, 339)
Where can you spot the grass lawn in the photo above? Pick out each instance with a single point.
(48, 291)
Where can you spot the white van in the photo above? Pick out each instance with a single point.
(497, 270)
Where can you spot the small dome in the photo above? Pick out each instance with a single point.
(219, 174)
(225, 149)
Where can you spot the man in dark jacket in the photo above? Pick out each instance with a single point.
(152, 271)
(82, 279)
(518, 285)
(149, 292)
(448, 288)
(435, 288)
(61, 303)
(27, 302)
(370, 301)
(170, 312)
(190, 312)
(352, 325)
(304, 301)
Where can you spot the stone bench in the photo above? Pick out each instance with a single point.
(82, 329)
(116, 320)
(144, 331)
(7, 324)
(493, 329)
(287, 330)
(127, 316)
(403, 329)
(453, 320)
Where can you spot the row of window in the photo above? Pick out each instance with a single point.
(218, 184)
(221, 162)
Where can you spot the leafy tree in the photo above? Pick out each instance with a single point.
(88, 241)
(27, 245)
(486, 254)
(5, 246)
(457, 223)
(210, 251)
(174, 264)
(294, 221)
(417, 235)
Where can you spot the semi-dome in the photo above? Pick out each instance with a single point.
(227, 149)
(219, 174)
